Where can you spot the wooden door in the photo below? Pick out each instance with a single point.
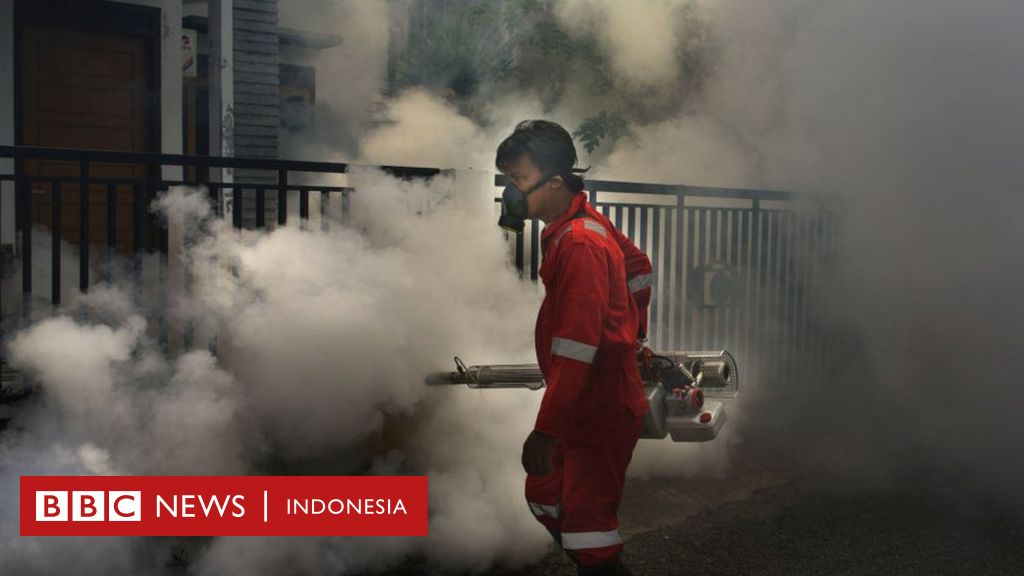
(84, 90)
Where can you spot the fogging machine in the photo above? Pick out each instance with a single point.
(677, 384)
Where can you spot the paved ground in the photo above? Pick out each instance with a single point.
(768, 518)
(811, 527)
(766, 521)
(801, 529)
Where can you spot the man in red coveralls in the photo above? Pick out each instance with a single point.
(586, 337)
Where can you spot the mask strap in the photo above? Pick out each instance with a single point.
(544, 180)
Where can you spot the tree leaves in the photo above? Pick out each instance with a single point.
(473, 51)
(606, 126)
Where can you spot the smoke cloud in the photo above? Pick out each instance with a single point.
(321, 368)
(350, 77)
(647, 59)
(905, 112)
(420, 129)
(907, 115)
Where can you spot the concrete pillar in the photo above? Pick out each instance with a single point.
(221, 36)
(171, 143)
(7, 116)
(171, 84)
(10, 293)
(222, 94)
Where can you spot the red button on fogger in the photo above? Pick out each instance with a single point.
(696, 398)
(705, 417)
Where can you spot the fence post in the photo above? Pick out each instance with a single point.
(680, 248)
(84, 223)
(175, 273)
(282, 196)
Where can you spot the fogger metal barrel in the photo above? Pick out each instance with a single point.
(491, 376)
(675, 384)
(714, 371)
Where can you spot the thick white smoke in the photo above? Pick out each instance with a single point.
(909, 112)
(422, 130)
(906, 112)
(639, 36)
(349, 76)
(423, 126)
(325, 339)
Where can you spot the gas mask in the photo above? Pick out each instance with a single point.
(513, 205)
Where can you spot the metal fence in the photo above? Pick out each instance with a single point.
(94, 177)
(735, 268)
(98, 201)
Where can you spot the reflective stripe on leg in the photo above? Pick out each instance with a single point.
(583, 540)
(552, 510)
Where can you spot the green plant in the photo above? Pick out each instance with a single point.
(606, 126)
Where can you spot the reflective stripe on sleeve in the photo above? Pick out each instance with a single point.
(552, 510)
(588, 224)
(562, 234)
(581, 540)
(595, 227)
(573, 349)
(640, 282)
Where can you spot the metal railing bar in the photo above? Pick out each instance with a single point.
(282, 196)
(55, 256)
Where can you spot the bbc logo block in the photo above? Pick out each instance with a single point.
(223, 506)
(89, 506)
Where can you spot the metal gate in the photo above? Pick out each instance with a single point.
(736, 269)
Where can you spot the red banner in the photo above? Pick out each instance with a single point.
(224, 505)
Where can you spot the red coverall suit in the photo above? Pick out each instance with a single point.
(594, 403)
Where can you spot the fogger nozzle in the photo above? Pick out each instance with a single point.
(714, 374)
(491, 376)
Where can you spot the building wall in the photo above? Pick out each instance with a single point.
(257, 112)
(257, 104)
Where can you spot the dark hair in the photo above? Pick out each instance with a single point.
(549, 146)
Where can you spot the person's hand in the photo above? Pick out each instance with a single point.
(537, 452)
